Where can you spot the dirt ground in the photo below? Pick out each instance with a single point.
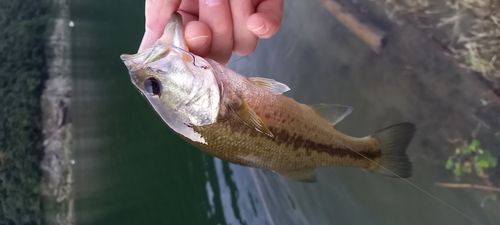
(467, 31)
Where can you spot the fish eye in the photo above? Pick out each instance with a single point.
(152, 86)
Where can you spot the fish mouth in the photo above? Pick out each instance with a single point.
(128, 60)
(176, 18)
(173, 35)
(171, 40)
(133, 61)
(174, 32)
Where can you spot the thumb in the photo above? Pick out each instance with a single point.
(157, 16)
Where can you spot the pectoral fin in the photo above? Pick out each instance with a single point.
(306, 176)
(249, 116)
(271, 85)
(331, 112)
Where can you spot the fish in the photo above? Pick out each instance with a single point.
(248, 121)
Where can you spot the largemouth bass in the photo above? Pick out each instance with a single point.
(247, 121)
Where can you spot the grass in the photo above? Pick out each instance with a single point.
(472, 27)
(481, 43)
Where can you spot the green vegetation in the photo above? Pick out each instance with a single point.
(471, 162)
(470, 157)
(22, 72)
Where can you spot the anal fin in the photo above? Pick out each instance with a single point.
(306, 176)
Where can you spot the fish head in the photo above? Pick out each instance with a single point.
(179, 85)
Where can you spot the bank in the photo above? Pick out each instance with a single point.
(468, 32)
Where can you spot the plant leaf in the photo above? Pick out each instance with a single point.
(488, 158)
(483, 163)
(449, 163)
(474, 145)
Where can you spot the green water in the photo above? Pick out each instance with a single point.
(131, 169)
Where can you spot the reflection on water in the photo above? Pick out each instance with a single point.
(131, 169)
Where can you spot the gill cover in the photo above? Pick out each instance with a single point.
(190, 94)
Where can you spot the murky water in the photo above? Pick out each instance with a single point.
(131, 169)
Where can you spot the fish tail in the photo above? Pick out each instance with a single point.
(393, 143)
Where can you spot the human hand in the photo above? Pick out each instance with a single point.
(216, 28)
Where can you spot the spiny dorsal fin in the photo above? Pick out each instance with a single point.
(306, 176)
(271, 85)
(248, 116)
(332, 112)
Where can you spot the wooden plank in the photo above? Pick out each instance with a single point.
(371, 35)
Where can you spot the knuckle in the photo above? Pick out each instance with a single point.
(219, 30)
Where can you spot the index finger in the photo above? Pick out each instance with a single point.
(157, 14)
(217, 15)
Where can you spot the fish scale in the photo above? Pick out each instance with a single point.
(251, 148)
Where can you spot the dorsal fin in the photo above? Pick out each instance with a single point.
(332, 112)
(271, 85)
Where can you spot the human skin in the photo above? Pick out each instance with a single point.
(216, 28)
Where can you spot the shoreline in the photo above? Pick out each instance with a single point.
(467, 33)
(57, 178)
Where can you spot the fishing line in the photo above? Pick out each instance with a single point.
(261, 195)
(241, 57)
(414, 185)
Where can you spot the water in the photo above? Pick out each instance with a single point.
(131, 169)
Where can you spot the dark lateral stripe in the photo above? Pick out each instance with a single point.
(297, 141)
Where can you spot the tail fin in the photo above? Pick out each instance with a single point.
(393, 143)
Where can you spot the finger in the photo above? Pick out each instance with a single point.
(189, 6)
(244, 40)
(157, 15)
(187, 17)
(197, 34)
(216, 14)
(267, 19)
(198, 38)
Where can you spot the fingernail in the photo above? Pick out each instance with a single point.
(213, 2)
(260, 30)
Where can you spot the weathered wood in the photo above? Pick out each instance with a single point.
(371, 35)
(469, 186)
